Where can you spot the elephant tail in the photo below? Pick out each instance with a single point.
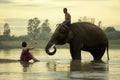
(108, 52)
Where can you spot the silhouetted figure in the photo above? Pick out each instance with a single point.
(26, 55)
(67, 21)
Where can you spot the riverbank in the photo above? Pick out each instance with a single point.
(113, 44)
(17, 44)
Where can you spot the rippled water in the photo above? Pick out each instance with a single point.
(58, 67)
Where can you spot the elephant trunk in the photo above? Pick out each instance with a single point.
(48, 47)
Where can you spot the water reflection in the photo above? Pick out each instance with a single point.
(26, 66)
(58, 66)
(94, 70)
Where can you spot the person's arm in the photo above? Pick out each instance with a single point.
(30, 48)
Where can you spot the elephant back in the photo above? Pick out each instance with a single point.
(88, 32)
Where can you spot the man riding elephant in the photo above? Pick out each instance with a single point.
(67, 21)
(80, 36)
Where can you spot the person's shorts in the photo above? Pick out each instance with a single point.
(67, 23)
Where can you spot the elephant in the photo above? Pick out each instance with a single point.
(80, 36)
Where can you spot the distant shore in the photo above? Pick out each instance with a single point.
(113, 44)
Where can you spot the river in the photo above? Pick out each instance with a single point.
(58, 67)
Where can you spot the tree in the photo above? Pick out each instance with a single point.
(33, 28)
(6, 30)
(112, 33)
(110, 29)
(93, 20)
(100, 24)
(45, 30)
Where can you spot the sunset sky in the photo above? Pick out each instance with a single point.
(17, 12)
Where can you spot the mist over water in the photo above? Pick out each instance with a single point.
(59, 66)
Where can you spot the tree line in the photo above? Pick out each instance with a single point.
(35, 31)
(112, 33)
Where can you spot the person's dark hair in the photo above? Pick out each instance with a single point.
(65, 9)
(24, 44)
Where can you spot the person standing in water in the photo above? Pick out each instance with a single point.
(67, 21)
(26, 55)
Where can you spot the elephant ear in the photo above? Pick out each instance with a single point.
(64, 28)
(66, 31)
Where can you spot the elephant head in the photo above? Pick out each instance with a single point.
(62, 35)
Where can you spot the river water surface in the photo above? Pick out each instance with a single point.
(58, 67)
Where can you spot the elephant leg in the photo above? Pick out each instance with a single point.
(98, 53)
(95, 56)
(75, 53)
